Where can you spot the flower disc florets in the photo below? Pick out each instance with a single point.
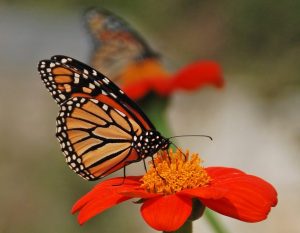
(173, 172)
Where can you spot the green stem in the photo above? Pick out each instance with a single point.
(214, 222)
(155, 108)
(185, 228)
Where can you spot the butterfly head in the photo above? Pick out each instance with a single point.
(150, 142)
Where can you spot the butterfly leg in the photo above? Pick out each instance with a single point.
(124, 171)
(124, 177)
(169, 157)
(154, 166)
(145, 165)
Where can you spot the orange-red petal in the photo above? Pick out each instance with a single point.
(103, 196)
(198, 74)
(137, 90)
(245, 197)
(166, 213)
(138, 192)
(191, 77)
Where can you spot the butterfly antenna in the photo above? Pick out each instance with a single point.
(191, 135)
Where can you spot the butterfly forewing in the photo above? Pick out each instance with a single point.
(93, 83)
(63, 80)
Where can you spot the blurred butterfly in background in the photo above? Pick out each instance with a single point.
(116, 46)
(99, 128)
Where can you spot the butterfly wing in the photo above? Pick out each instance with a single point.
(95, 137)
(97, 121)
(65, 77)
(116, 44)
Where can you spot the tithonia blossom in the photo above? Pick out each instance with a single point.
(168, 190)
(140, 78)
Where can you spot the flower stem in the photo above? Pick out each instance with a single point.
(214, 222)
(155, 108)
(185, 228)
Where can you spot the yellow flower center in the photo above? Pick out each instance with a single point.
(173, 172)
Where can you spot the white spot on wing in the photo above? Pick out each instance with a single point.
(95, 101)
(106, 80)
(62, 96)
(92, 86)
(105, 107)
(76, 80)
(121, 113)
(97, 83)
(113, 95)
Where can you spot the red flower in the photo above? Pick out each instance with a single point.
(167, 204)
(148, 75)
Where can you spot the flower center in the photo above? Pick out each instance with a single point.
(173, 172)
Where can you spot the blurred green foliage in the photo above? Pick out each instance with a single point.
(256, 27)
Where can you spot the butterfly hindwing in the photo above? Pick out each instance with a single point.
(95, 138)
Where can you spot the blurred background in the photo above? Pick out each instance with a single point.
(254, 119)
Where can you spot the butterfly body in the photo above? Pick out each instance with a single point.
(99, 128)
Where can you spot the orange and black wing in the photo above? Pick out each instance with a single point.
(66, 77)
(95, 137)
(97, 121)
(116, 44)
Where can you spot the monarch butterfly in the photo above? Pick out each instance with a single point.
(99, 128)
(116, 44)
